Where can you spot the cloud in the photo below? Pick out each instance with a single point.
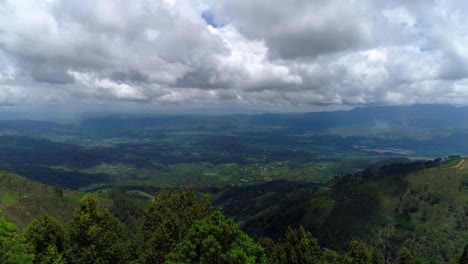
(301, 28)
(295, 55)
(10, 95)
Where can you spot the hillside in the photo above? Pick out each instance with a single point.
(420, 205)
(21, 199)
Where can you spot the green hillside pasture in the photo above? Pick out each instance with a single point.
(21, 199)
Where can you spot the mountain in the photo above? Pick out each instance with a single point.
(419, 115)
(420, 205)
(414, 116)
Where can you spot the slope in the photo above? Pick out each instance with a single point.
(21, 199)
(420, 205)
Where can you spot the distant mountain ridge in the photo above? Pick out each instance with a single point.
(421, 116)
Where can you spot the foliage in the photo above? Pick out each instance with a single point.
(299, 246)
(168, 217)
(52, 256)
(358, 253)
(129, 211)
(28, 198)
(47, 237)
(331, 257)
(13, 247)
(216, 239)
(95, 235)
(405, 257)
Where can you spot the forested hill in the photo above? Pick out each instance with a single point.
(416, 206)
(419, 205)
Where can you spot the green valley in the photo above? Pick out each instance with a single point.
(349, 186)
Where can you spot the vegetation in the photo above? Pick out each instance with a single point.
(21, 199)
(96, 236)
(178, 226)
(47, 235)
(168, 217)
(419, 206)
(366, 194)
(201, 151)
(298, 247)
(13, 246)
(216, 240)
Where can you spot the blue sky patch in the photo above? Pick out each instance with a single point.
(207, 15)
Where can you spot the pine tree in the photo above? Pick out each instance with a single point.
(299, 246)
(95, 235)
(331, 257)
(168, 217)
(273, 250)
(358, 253)
(43, 233)
(216, 239)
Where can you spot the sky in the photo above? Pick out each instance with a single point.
(288, 55)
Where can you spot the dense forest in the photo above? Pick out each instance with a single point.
(178, 226)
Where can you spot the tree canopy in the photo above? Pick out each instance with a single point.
(216, 239)
(47, 236)
(299, 246)
(13, 247)
(168, 217)
(95, 235)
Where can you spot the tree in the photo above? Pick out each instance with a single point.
(127, 210)
(385, 237)
(168, 217)
(358, 253)
(95, 235)
(216, 239)
(45, 233)
(52, 256)
(13, 247)
(331, 257)
(299, 246)
(273, 250)
(405, 257)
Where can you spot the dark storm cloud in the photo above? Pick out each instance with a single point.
(301, 28)
(45, 74)
(131, 76)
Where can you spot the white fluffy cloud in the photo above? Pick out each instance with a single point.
(295, 54)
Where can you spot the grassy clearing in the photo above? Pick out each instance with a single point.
(7, 199)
